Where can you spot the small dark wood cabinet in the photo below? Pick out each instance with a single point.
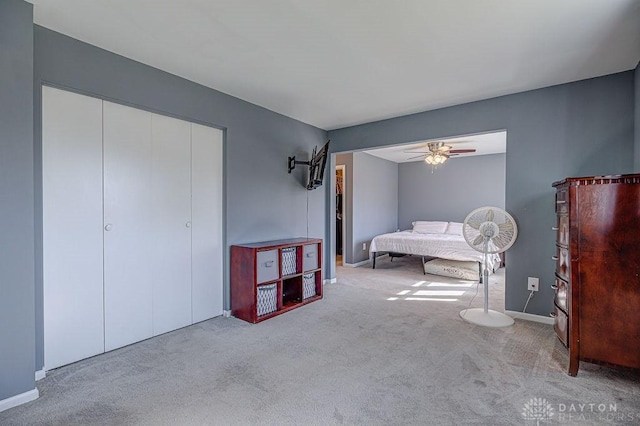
(273, 277)
(597, 279)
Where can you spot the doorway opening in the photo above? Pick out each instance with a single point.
(340, 214)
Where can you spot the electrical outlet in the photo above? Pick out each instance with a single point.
(364, 246)
(533, 283)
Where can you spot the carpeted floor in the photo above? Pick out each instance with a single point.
(384, 346)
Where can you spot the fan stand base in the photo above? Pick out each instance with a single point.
(487, 319)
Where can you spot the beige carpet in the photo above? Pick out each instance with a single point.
(384, 346)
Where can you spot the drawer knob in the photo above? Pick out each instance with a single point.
(555, 228)
(553, 315)
(268, 264)
(554, 258)
(311, 254)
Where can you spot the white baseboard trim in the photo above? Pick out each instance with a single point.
(20, 399)
(330, 281)
(355, 265)
(530, 317)
(40, 374)
(226, 313)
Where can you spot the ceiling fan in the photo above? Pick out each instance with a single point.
(438, 152)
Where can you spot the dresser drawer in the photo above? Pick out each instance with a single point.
(267, 266)
(561, 325)
(310, 257)
(561, 298)
(562, 230)
(562, 201)
(562, 262)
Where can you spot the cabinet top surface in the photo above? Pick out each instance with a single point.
(285, 242)
(598, 180)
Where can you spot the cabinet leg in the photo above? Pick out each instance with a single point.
(573, 365)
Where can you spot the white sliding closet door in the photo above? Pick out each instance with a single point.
(72, 226)
(128, 246)
(207, 250)
(171, 223)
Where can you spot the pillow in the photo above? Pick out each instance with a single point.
(454, 228)
(429, 227)
(453, 268)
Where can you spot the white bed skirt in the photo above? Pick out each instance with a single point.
(443, 246)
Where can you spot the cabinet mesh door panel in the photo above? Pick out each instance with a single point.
(267, 295)
(309, 285)
(289, 261)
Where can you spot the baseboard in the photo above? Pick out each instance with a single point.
(40, 374)
(226, 313)
(20, 399)
(355, 265)
(330, 281)
(530, 317)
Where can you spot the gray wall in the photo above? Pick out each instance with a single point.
(262, 201)
(452, 190)
(374, 203)
(637, 119)
(582, 128)
(371, 202)
(17, 330)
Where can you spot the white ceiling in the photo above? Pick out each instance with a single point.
(487, 143)
(334, 63)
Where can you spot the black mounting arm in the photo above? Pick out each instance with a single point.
(293, 162)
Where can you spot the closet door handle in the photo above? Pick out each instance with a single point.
(561, 202)
(554, 257)
(554, 228)
(188, 224)
(108, 227)
(553, 315)
(554, 286)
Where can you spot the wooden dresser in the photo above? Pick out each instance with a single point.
(597, 284)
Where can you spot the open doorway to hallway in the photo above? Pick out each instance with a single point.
(340, 213)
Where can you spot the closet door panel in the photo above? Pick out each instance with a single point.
(72, 226)
(171, 223)
(207, 214)
(128, 246)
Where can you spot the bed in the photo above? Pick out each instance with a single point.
(442, 240)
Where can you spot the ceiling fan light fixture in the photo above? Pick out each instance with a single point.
(435, 159)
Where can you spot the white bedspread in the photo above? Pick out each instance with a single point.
(444, 246)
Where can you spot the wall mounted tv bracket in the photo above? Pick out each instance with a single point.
(293, 162)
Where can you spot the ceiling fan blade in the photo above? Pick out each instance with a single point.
(417, 156)
(409, 151)
(461, 151)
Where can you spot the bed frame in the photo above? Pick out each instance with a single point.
(393, 254)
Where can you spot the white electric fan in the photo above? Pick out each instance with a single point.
(489, 230)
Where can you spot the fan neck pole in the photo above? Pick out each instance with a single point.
(485, 275)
